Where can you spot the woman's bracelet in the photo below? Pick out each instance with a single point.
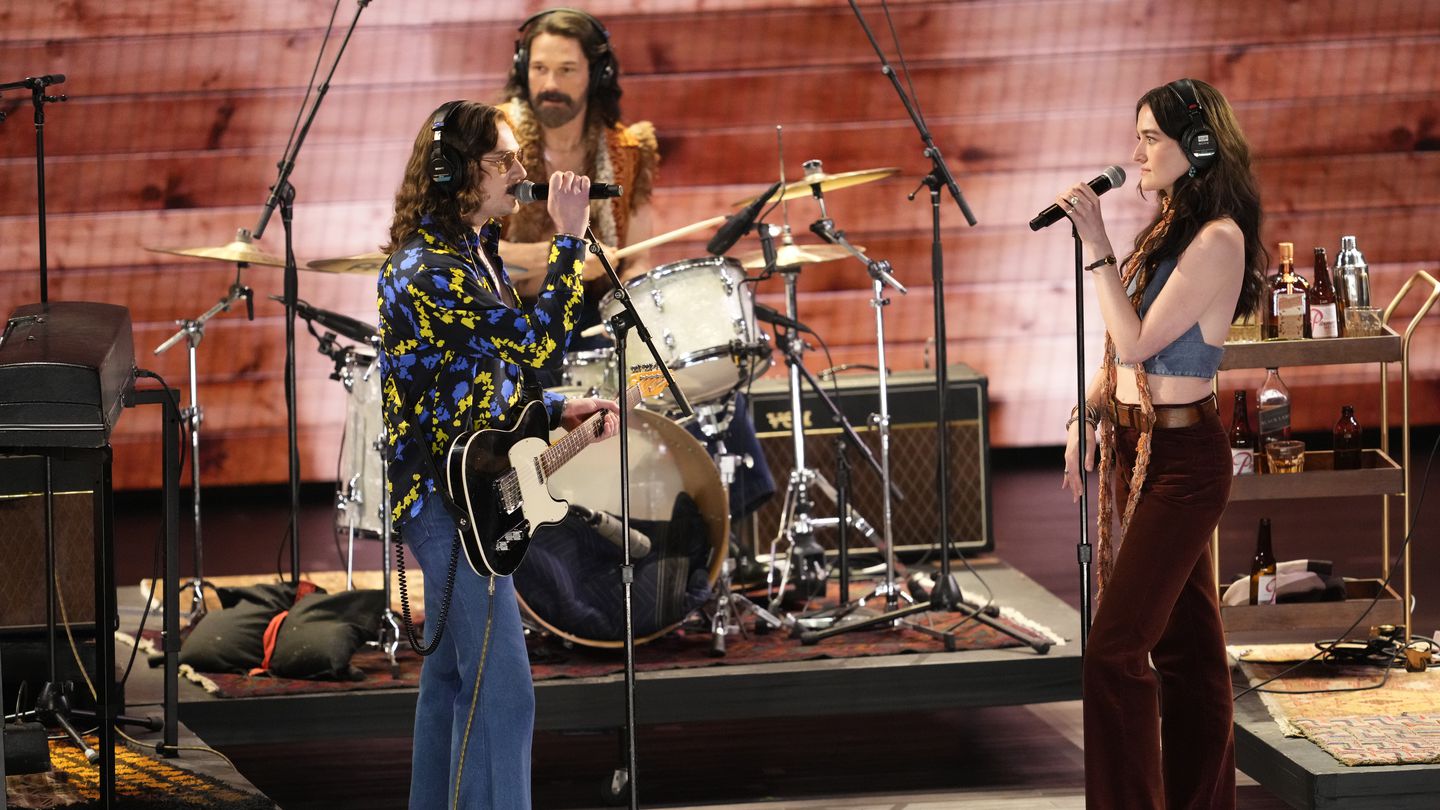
(1108, 259)
(1092, 416)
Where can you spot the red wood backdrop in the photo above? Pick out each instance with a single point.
(180, 109)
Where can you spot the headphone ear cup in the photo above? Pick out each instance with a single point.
(1199, 145)
(447, 169)
(520, 67)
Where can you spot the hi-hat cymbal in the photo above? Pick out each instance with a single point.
(828, 182)
(367, 263)
(791, 255)
(240, 250)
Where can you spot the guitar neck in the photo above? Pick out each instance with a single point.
(570, 445)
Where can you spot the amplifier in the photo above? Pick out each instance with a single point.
(22, 545)
(913, 457)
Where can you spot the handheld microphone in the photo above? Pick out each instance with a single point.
(609, 527)
(1112, 177)
(736, 225)
(527, 192)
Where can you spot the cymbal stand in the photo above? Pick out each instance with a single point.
(880, 276)
(192, 332)
(728, 605)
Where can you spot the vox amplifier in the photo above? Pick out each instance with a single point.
(915, 519)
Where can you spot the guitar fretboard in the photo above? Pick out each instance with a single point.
(570, 445)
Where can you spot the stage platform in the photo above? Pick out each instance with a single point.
(923, 681)
(1306, 777)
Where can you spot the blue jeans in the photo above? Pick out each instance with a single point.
(497, 755)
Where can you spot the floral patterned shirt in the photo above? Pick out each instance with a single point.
(452, 348)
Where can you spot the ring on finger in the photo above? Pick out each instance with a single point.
(1074, 201)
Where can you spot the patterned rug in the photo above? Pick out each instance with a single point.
(141, 783)
(680, 649)
(1395, 724)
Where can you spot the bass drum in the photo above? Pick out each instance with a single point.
(569, 583)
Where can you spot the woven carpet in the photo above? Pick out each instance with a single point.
(1396, 724)
(679, 649)
(141, 783)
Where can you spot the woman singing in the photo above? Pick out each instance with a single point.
(1162, 738)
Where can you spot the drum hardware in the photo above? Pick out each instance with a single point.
(192, 332)
(241, 250)
(827, 182)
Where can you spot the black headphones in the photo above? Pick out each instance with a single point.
(1197, 141)
(604, 72)
(447, 164)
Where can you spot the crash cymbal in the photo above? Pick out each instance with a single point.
(367, 263)
(828, 182)
(791, 255)
(240, 250)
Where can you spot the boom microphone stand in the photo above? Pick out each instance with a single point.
(282, 194)
(36, 85)
(621, 324)
(946, 595)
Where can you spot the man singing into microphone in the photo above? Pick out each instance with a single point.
(457, 350)
(564, 99)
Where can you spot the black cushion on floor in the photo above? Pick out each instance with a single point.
(323, 631)
(230, 640)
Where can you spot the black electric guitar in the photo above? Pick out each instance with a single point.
(501, 479)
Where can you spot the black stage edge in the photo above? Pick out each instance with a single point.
(923, 681)
(1303, 775)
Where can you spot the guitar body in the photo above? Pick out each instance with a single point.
(477, 470)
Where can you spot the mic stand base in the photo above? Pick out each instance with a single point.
(947, 634)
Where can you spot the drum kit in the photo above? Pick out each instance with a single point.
(704, 318)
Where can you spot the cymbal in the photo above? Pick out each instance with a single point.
(828, 182)
(240, 250)
(790, 255)
(367, 263)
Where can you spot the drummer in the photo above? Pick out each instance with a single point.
(564, 103)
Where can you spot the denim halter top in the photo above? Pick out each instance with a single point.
(1188, 355)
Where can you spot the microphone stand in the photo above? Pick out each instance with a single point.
(621, 324)
(282, 194)
(36, 86)
(1082, 549)
(946, 595)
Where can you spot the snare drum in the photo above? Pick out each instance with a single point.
(567, 583)
(360, 480)
(703, 321)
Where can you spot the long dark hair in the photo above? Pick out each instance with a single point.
(602, 102)
(471, 129)
(1226, 188)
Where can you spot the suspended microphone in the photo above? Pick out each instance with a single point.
(610, 528)
(343, 324)
(1113, 177)
(527, 192)
(770, 315)
(736, 225)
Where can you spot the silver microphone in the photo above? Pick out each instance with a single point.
(610, 528)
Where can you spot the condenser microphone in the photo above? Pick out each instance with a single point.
(610, 528)
(527, 192)
(1113, 177)
(736, 225)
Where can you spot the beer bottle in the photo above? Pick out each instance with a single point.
(1347, 440)
(1242, 438)
(1262, 568)
(1324, 316)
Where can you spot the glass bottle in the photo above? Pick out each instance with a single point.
(1272, 404)
(1288, 308)
(1242, 438)
(1262, 568)
(1347, 440)
(1324, 315)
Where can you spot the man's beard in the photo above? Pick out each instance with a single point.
(554, 115)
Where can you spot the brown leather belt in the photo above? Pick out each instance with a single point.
(1166, 416)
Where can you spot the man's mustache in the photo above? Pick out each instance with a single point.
(553, 96)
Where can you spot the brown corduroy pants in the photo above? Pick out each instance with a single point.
(1162, 737)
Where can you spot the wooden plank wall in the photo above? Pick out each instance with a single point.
(179, 111)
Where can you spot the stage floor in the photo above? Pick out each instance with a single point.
(911, 682)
